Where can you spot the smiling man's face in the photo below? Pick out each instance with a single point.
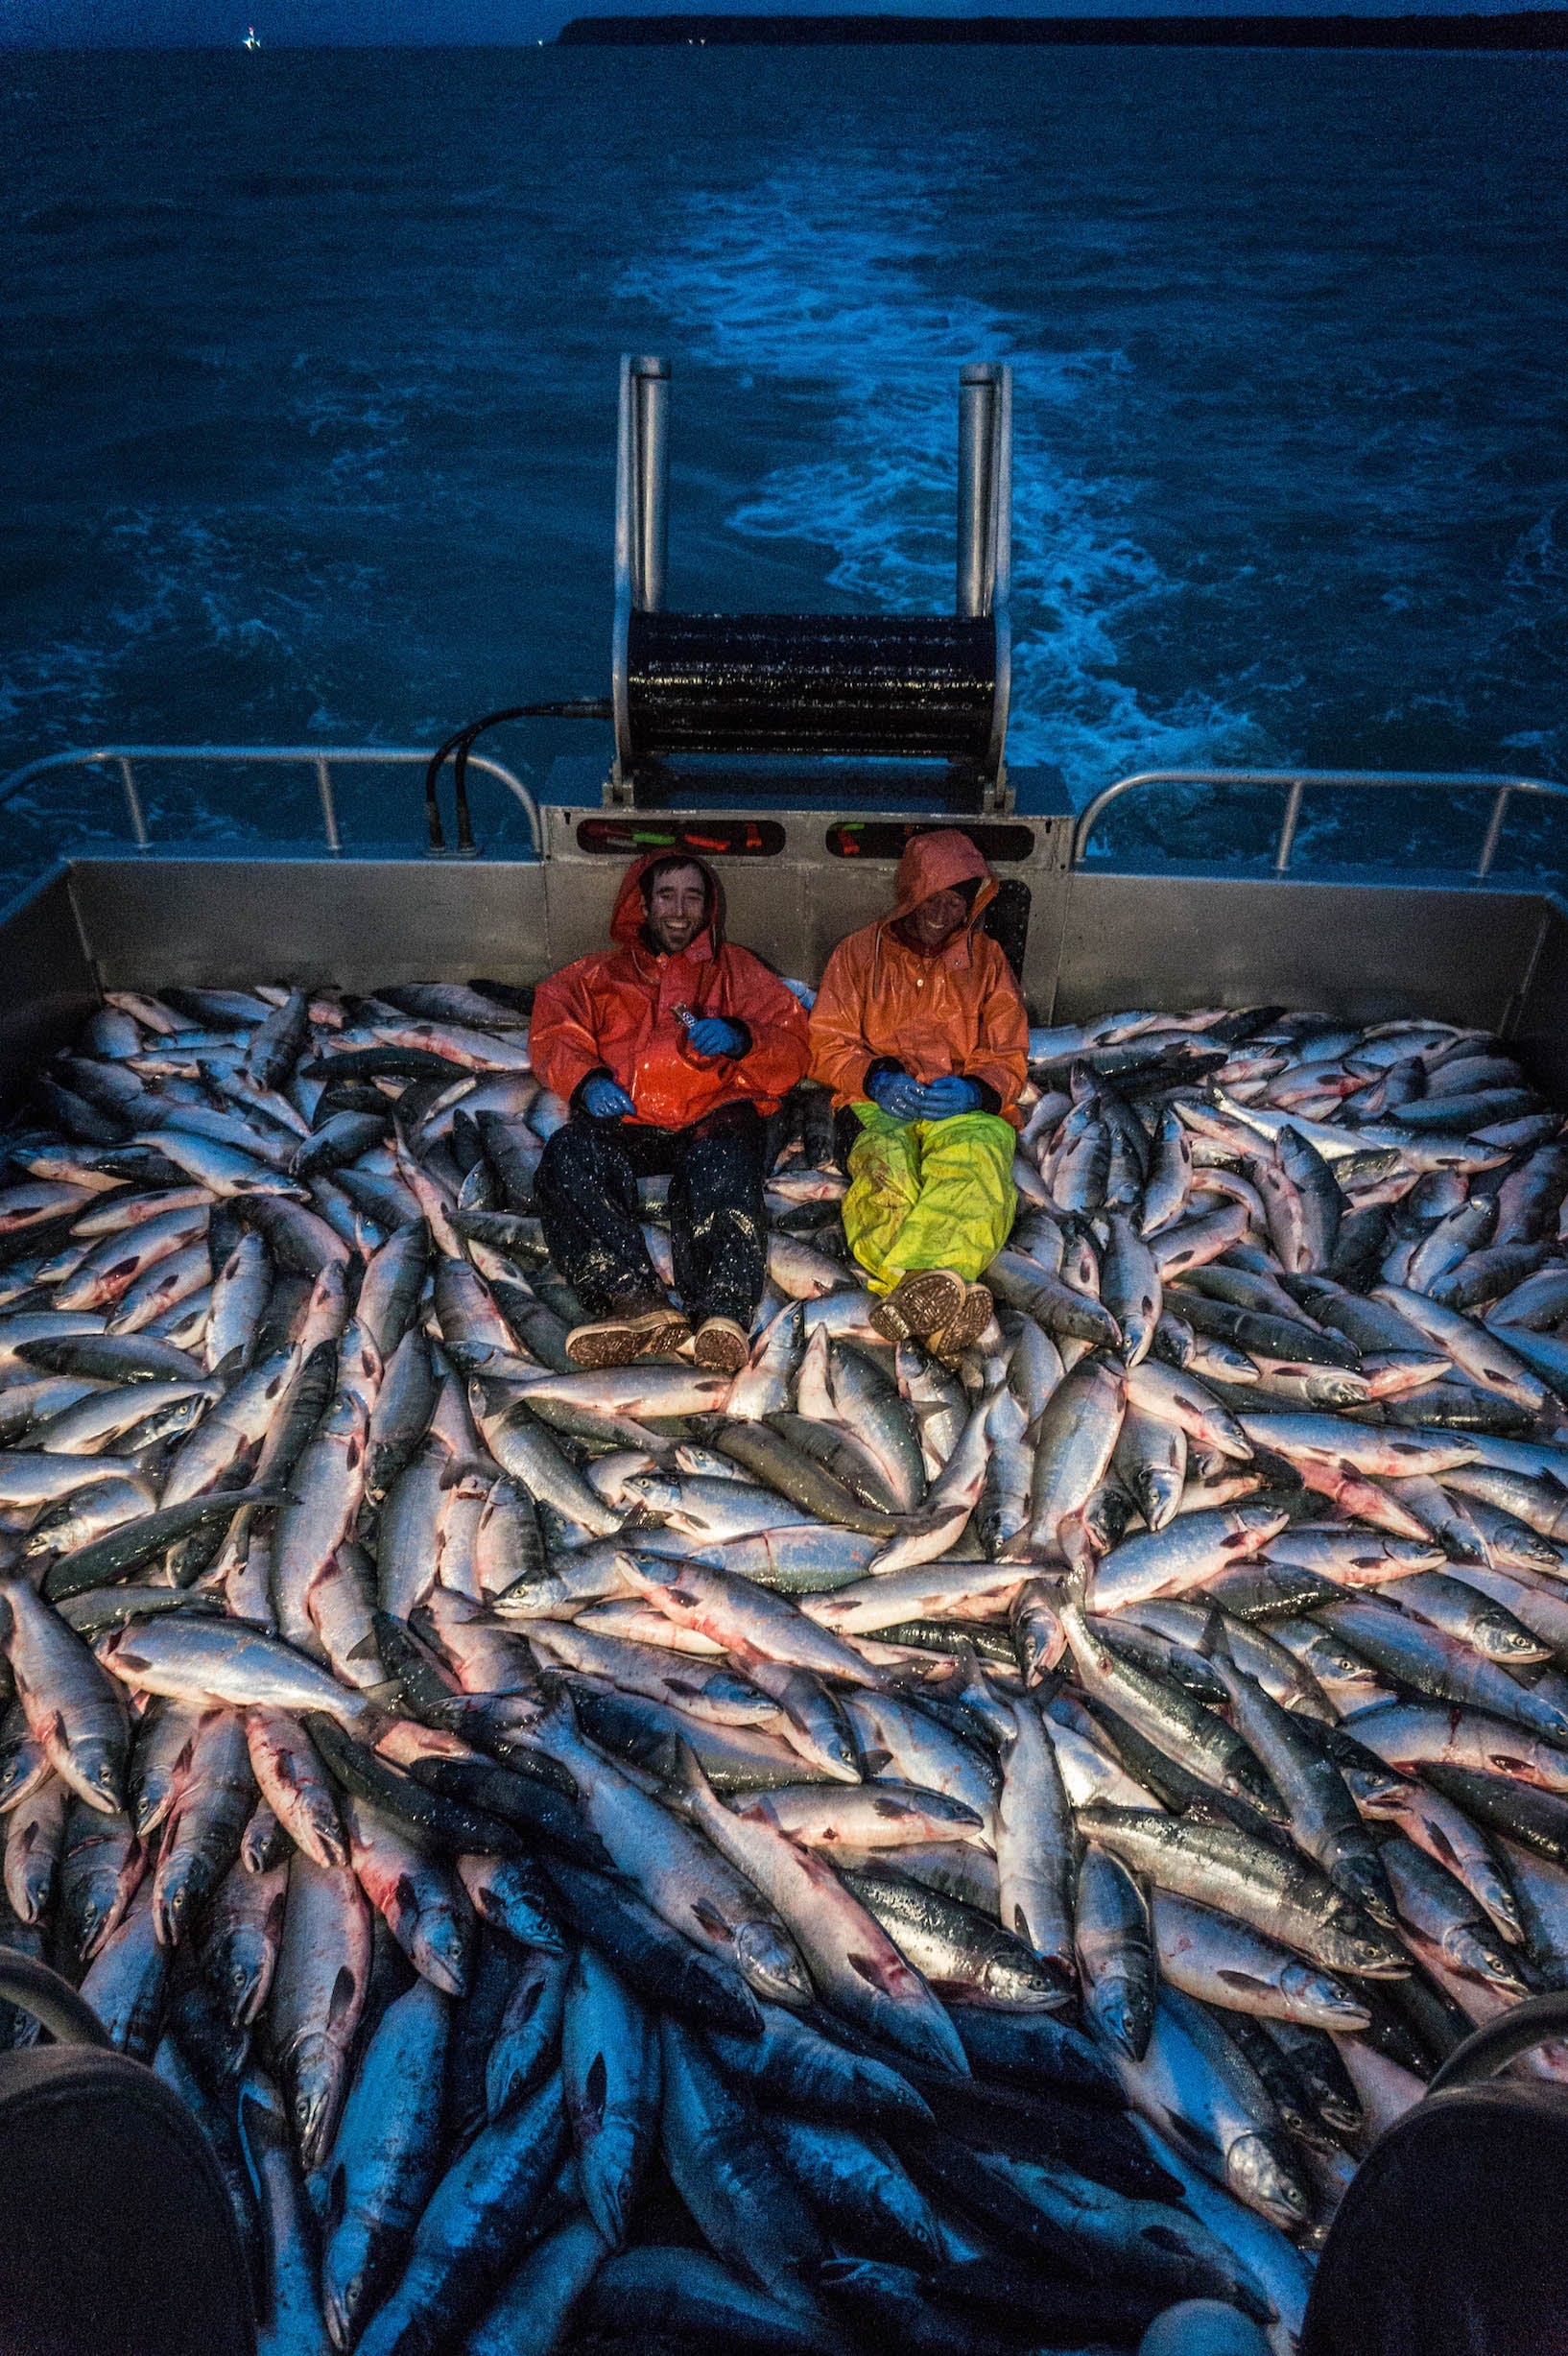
(935, 921)
(675, 908)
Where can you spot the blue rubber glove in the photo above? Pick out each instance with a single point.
(942, 1100)
(896, 1094)
(713, 1034)
(606, 1099)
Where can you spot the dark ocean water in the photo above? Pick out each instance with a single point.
(307, 404)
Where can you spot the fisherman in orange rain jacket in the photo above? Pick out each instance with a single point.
(669, 1050)
(921, 1034)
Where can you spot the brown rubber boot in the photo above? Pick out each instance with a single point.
(964, 1329)
(918, 1304)
(616, 1341)
(722, 1347)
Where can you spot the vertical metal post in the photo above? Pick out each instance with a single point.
(1001, 583)
(329, 807)
(978, 405)
(985, 550)
(625, 476)
(1494, 831)
(134, 804)
(641, 474)
(642, 481)
(1002, 493)
(653, 482)
(985, 556)
(1288, 825)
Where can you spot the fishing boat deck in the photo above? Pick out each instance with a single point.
(1088, 934)
(1366, 943)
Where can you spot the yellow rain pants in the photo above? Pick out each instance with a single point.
(929, 1194)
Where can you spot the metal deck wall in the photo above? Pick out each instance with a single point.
(1489, 956)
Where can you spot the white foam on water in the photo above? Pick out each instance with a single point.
(823, 279)
(193, 613)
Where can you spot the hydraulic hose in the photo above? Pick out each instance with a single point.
(457, 747)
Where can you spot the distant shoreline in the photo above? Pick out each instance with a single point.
(1524, 29)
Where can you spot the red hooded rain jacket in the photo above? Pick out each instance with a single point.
(615, 1011)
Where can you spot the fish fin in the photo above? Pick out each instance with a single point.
(374, 1722)
(1214, 1644)
(982, 1697)
(690, 1787)
(1078, 1567)
(459, 1468)
(1020, 1548)
(262, 2121)
(558, 1716)
(492, 1394)
(1073, 1539)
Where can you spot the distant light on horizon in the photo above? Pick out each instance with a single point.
(134, 24)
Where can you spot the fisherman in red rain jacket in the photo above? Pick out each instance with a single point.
(669, 1050)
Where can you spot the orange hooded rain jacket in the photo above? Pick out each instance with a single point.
(615, 1013)
(956, 1012)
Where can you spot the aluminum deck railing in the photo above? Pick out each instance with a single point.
(321, 758)
(1293, 783)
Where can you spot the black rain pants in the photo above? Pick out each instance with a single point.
(587, 1190)
(1452, 2238)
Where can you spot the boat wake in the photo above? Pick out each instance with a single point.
(821, 282)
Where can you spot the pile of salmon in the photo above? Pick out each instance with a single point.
(874, 1852)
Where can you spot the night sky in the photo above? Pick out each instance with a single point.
(373, 23)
